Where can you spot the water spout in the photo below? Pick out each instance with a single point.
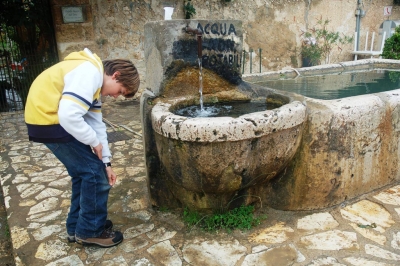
(193, 31)
(199, 35)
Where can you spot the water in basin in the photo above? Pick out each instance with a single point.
(231, 109)
(339, 85)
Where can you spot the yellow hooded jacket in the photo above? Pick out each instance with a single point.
(64, 102)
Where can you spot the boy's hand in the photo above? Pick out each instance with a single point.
(98, 150)
(112, 177)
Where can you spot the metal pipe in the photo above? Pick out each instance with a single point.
(193, 31)
(113, 126)
(358, 21)
(260, 50)
(130, 130)
(199, 35)
(251, 59)
(244, 60)
(297, 72)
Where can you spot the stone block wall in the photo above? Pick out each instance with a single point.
(115, 28)
(73, 36)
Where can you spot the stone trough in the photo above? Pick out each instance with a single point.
(212, 161)
(299, 154)
(350, 146)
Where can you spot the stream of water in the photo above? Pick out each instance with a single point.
(230, 109)
(201, 85)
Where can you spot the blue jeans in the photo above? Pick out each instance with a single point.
(90, 188)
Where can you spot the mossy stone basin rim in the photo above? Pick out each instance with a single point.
(219, 129)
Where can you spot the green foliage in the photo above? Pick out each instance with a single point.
(312, 52)
(191, 218)
(394, 76)
(163, 209)
(238, 218)
(189, 10)
(319, 42)
(7, 231)
(5, 43)
(391, 50)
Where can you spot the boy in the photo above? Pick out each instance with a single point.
(63, 111)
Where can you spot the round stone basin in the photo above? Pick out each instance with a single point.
(211, 160)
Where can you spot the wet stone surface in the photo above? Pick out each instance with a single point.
(36, 191)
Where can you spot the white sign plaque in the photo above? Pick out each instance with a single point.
(72, 14)
(387, 10)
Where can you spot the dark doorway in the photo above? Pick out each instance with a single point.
(27, 47)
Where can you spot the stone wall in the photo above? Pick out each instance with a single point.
(73, 36)
(115, 28)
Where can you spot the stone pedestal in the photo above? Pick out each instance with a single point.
(168, 48)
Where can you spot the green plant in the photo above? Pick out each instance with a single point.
(189, 9)
(7, 46)
(238, 218)
(312, 53)
(190, 217)
(391, 49)
(163, 209)
(319, 42)
(394, 76)
(7, 231)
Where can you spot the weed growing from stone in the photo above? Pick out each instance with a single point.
(189, 9)
(7, 231)
(238, 218)
(163, 209)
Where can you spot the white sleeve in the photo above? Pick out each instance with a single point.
(95, 120)
(79, 87)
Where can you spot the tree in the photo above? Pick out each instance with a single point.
(391, 50)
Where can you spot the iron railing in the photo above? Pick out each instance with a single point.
(26, 49)
(248, 65)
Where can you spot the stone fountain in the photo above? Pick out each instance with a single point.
(299, 153)
(210, 163)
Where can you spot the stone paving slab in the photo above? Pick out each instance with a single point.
(36, 192)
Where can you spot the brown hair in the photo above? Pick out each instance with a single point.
(129, 76)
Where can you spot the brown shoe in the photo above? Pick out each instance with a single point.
(107, 226)
(107, 239)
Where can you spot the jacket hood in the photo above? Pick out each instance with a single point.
(87, 55)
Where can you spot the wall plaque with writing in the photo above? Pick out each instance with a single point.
(72, 14)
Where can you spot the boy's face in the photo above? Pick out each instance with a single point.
(111, 87)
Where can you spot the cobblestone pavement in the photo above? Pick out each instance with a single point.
(36, 190)
(6, 257)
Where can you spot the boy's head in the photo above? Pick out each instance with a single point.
(128, 74)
